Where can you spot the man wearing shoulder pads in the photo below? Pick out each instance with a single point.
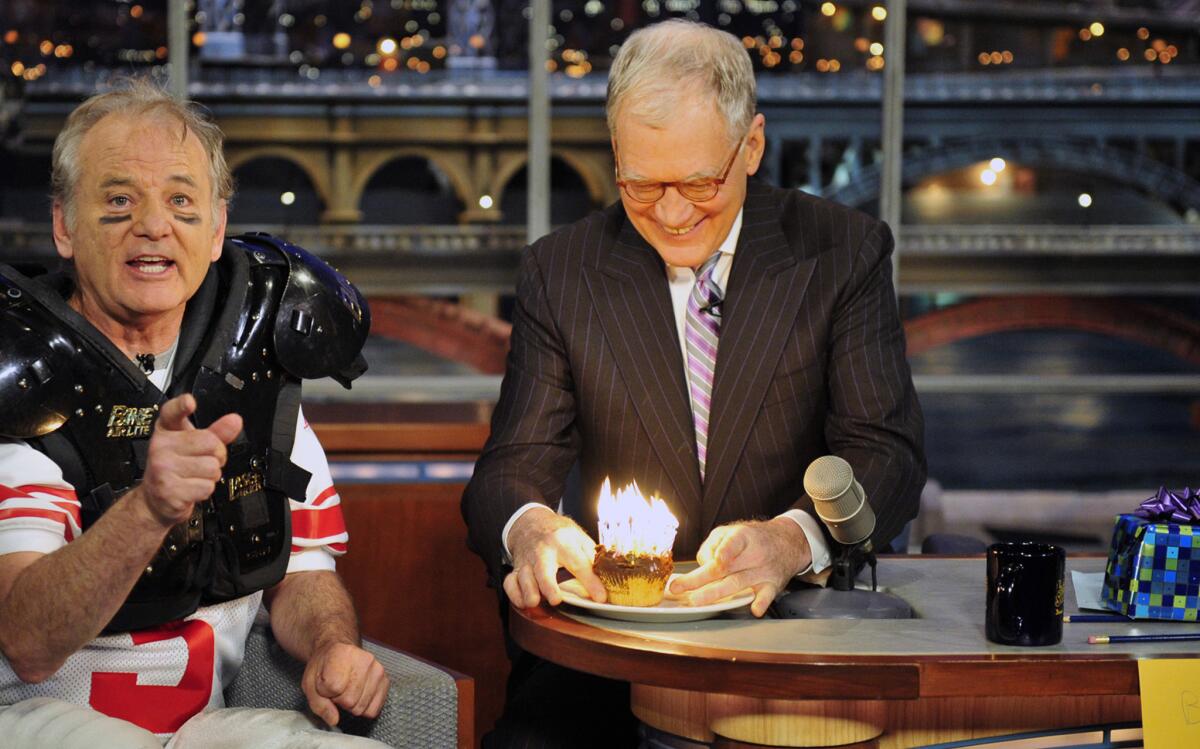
(157, 478)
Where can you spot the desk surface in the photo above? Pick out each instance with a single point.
(942, 653)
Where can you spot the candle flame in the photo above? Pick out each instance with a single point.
(631, 523)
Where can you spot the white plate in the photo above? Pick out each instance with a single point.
(669, 610)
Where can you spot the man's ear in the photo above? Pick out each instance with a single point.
(219, 231)
(756, 143)
(62, 232)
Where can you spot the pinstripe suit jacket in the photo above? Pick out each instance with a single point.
(811, 362)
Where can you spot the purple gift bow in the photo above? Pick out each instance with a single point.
(1181, 507)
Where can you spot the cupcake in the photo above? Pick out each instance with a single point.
(633, 558)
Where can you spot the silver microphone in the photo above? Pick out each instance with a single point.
(840, 500)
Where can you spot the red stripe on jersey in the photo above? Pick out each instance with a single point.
(33, 512)
(71, 508)
(8, 492)
(336, 548)
(56, 491)
(317, 523)
(324, 496)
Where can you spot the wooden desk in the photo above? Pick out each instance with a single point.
(872, 683)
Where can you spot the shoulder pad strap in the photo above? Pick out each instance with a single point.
(323, 320)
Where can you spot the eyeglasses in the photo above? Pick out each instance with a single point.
(694, 190)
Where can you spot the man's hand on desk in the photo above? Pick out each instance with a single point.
(761, 555)
(541, 541)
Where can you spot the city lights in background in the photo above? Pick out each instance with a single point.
(287, 198)
(388, 38)
(1085, 200)
(997, 165)
(987, 177)
(486, 202)
(996, 57)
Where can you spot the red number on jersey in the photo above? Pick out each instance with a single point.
(161, 709)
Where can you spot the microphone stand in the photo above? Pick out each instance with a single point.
(841, 600)
(848, 560)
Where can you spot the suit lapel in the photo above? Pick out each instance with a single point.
(766, 286)
(631, 296)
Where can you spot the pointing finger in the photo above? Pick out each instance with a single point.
(227, 428)
(173, 415)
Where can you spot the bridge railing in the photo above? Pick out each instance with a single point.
(1144, 260)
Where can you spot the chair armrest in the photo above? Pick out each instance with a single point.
(422, 708)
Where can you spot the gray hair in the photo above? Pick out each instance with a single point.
(135, 97)
(659, 65)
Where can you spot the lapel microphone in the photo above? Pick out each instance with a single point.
(146, 362)
(713, 308)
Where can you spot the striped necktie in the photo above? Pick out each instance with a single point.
(701, 331)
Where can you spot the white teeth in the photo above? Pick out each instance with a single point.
(150, 264)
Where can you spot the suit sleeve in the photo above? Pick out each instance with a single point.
(533, 443)
(874, 420)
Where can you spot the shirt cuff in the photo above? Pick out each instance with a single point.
(816, 541)
(311, 559)
(31, 534)
(508, 526)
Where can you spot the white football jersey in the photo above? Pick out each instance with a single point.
(156, 678)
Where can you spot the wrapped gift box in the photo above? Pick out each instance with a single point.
(1153, 567)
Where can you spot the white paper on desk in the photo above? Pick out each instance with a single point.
(1087, 590)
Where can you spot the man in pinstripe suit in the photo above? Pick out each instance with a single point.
(610, 368)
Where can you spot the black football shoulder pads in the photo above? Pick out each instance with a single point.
(50, 360)
(322, 320)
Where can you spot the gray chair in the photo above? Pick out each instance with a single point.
(421, 709)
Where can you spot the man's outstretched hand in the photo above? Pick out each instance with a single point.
(183, 463)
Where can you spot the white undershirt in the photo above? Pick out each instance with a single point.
(162, 366)
(681, 279)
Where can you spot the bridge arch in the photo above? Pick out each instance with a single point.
(1146, 324)
(457, 173)
(576, 186)
(1072, 154)
(310, 162)
(595, 171)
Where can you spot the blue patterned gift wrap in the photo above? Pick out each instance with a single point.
(1153, 570)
